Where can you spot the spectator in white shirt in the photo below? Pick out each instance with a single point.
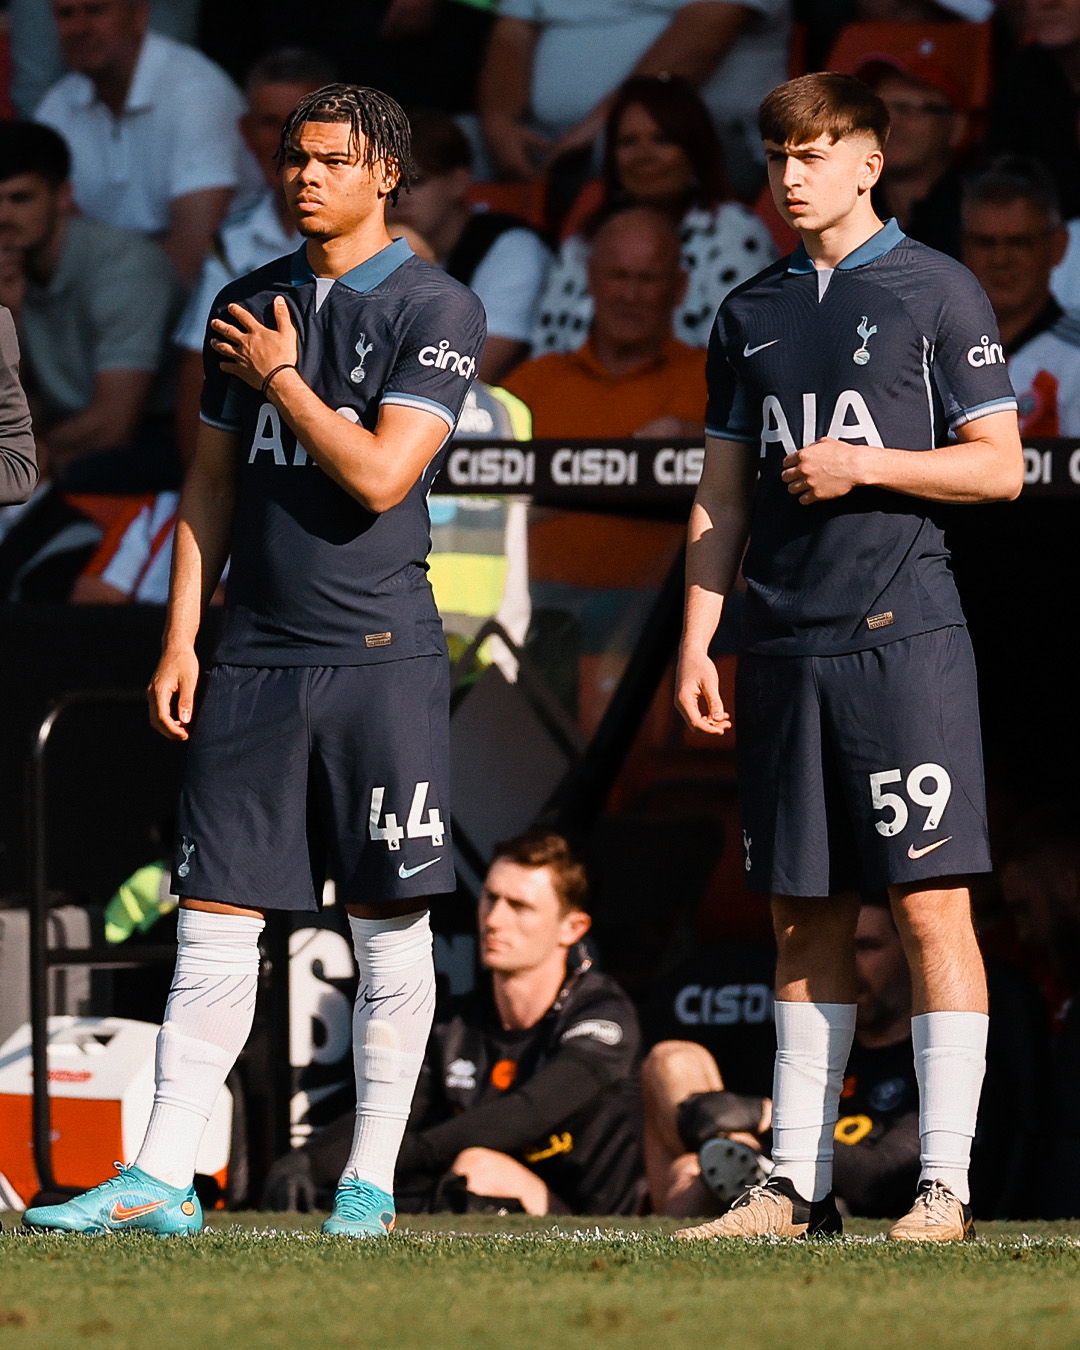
(552, 67)
(499, 257)
(153, 127)
(256, 235)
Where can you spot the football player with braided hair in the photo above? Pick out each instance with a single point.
(333, 380)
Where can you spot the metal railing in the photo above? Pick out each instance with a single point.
(102, 956)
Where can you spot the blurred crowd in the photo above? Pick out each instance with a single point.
(593, 173)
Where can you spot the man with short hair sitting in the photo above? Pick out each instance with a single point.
(94, 306)
(528, 1094)
(632, 377)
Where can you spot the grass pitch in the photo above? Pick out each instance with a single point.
(455, 1283)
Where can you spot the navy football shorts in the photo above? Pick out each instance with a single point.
(861, 771)
(299, 772)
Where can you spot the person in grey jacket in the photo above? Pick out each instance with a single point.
(18, 460)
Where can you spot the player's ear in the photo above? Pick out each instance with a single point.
(389, 177)
(573, 927)
(871, 167)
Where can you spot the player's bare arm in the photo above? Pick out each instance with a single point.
(378, 468)
(985, 465)
(203, 531)
(717, 534)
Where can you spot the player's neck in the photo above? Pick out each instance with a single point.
(335, 257)
(522, 997)
(829, 247)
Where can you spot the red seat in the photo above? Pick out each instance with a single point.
(963, 49)
(6, 107)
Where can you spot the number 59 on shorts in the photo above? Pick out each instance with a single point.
(934, 801)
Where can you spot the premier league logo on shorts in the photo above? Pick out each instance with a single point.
(861, 356)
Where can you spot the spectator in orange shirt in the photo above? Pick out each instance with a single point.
(632, 377)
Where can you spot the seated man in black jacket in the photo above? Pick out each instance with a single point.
(528, 1097)
(720, 1138)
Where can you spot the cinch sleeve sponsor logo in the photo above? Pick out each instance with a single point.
(986, 353)
(596, 1029)
(443, 357)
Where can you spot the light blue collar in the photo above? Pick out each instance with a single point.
(875, 247)
(366, 277)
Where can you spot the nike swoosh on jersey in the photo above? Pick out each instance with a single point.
(749, 351)
(120, 1213)
(406, 872)
(914, 852)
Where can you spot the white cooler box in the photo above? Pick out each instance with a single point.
(101, 1085)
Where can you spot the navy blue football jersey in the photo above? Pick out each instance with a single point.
(896, 347)
(315, 578)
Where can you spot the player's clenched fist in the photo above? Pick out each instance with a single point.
(251, 349)
(697, 694)
(174, 682)
(823, 470)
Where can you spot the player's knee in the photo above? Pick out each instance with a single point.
(931, 918)
(678, 1061)
(802, 925)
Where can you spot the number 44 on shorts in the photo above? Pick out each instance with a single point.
(415, 827)
(934, 801)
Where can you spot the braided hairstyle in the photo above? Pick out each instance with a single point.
(376, 121)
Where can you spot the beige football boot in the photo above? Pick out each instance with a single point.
(936, 1216)
(773, 1210)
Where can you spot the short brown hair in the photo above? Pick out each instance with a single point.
(545, 848)
(824, 104)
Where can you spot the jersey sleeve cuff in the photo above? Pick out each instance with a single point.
(218, 424)
(983, 410)
(424, 404)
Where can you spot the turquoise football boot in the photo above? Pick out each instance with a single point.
(361, 1210)
(130, 1202)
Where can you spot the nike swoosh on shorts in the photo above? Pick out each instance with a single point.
(406, 872)
(915, 853)
(750, 351)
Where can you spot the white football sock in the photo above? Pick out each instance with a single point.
(950, 1061)
(395, 1001)
(207, 1022)
(813, 1042)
